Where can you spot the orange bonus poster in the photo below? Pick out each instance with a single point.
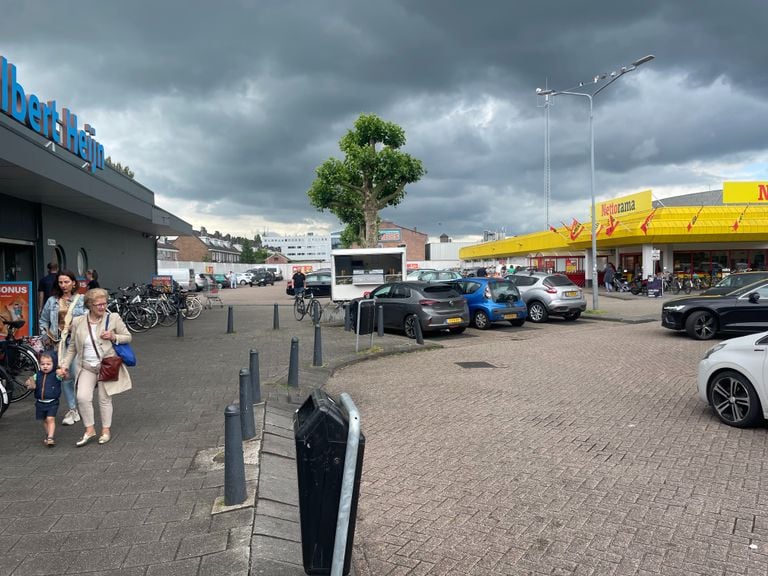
(162, 283)
(15, 304)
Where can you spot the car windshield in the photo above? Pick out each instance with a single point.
(502, 290)
(559, 280)
(439, 291)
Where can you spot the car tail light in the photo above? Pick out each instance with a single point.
(426, 302)
(551, 290)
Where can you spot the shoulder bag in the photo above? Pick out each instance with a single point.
(123, 350)
(109, 369)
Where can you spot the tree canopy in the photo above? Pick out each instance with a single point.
(372, 176)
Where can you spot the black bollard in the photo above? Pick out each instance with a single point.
(380, 320)
(255, 377)
(179, 324)
(293, 365)
(246, 406)
(419, 334)
(347, 318)
(230, 320)
(234, 465)
(317, 358)
(276, 319)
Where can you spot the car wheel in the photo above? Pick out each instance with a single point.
(458, 330)
(701, 325)
(481, 321)
(537, 312)
(734, 400)
(518, 322)
(243, 282)
(573, 316)
(409, 325)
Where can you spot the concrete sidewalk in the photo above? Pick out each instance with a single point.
(141, 504)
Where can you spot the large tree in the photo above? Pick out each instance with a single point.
(372, 175)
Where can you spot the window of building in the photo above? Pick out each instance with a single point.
(61, 257)
(82, 262)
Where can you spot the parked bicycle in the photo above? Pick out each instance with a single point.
(18, 360)
(305, 303)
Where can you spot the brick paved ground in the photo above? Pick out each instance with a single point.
(583, 450)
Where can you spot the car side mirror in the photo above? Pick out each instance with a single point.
(754, 297)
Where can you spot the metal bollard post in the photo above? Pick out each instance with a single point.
(246, 406)
(293, 365)
(276, 319)
(317, 357)
(230, 320)
(179, 324)
(380, 320)
(347, 318)
(419, 334)
(255, 377)
(234, 465)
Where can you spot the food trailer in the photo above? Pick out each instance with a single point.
(356, 271)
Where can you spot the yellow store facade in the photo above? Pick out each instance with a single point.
(705, 233)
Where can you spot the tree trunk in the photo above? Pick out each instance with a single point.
(371, 226)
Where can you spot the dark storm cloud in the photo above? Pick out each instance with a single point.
(226, 109)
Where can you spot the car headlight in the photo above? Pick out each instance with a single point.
(674, 308)
(714, 349)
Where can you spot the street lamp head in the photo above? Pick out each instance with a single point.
(544, 92)
(643, 60)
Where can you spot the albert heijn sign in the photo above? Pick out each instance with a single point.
(745, 192)
(44, 118)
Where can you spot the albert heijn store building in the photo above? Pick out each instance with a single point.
(60, 201)
(705, 233)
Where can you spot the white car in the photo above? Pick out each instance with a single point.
(733, 376)
(243, 278)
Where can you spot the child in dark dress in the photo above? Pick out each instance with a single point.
(47, 387)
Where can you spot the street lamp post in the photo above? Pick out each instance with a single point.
(613, 77)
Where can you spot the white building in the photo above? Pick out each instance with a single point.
(309, 246)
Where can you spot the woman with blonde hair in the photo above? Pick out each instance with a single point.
(93, 336)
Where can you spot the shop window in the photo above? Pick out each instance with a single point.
(82, 262)
(61, 257)
(739, 260)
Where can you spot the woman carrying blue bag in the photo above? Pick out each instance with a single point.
(95, 336)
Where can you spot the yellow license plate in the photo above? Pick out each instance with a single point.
(454, 320)
(572, 293)
(509, 316)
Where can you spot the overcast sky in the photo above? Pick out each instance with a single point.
(225, 109)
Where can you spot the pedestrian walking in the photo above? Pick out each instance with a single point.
(298, 282)
(47, 386)
(608, 275)
(93, 279)
(63, 305)
(46, 284)
(93, 337)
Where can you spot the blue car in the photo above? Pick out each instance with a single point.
(491, 300)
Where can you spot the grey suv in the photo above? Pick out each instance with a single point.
(549, 295)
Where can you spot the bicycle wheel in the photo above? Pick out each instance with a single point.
(168, 313)
(315, 310)
(194, 308)
(21, 364)
(4, 402)
(135, 321)
(299, 309)
(687, 286)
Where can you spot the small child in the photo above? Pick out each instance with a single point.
(47, 387)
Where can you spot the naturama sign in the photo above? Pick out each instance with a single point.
(44, 118)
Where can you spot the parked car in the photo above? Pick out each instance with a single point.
(221, 280)
(430, 275)
(733, 379)
(491, 300)
(274, 269)
(243, 278)
(742, 311)
(549, 295)
(262, 277)
(204, 279)
(435, 306)
(318, 282)
(734, 281)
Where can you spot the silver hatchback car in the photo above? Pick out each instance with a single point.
(549, 295)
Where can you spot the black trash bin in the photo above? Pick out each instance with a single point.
(320, 428)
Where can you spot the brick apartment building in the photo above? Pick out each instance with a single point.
(393, 236)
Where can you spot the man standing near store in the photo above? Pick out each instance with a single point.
(298, 282)
(46, 284)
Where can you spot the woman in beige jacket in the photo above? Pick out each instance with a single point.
(89, 330)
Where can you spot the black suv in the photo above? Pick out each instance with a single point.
(262, 277)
